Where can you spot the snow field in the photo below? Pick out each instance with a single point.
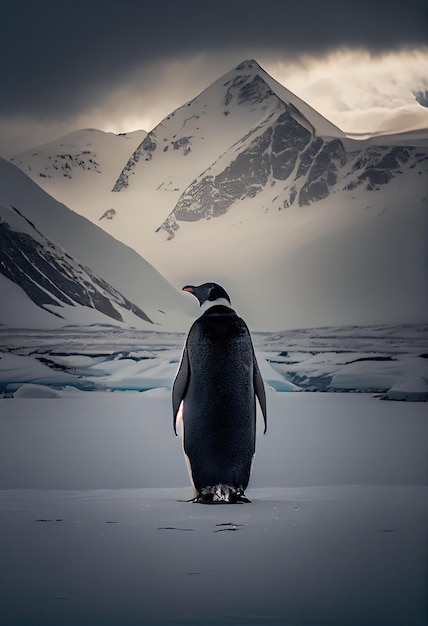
(93, 531)
(101, 440)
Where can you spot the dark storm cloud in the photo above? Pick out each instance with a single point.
(59, 57)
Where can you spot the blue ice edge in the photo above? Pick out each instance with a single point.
(281, 385)
(95, 377)
(129, 385)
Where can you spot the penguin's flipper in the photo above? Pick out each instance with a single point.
(259, 388)
(180, 385)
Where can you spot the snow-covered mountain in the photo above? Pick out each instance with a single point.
(79, 165)
(249, 186)
(58, 261)
(157, 170)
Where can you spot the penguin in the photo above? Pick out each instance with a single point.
(218, 380)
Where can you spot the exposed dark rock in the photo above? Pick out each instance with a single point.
(255, 92)
(307, 158)
(323, 172)
(148, 144)
(144, 150)
(377, 165)
(289, 139)
(212, 196)
(182, 143)
(421, 96)
(109, 214)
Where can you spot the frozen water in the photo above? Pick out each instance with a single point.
(368, 359)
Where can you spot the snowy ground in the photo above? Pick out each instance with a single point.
(93, 532)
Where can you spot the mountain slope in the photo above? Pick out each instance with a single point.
(304, 169)
(108, 258)
(342, 260)
(273, 151)
(54, 281)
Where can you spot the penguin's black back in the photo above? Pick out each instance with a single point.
(219, 405)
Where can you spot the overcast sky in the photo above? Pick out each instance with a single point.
(121, 65)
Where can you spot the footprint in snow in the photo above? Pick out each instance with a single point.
(228, 526)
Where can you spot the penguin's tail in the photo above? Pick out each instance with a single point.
(221, 494)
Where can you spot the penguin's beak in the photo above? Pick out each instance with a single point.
(188, 288)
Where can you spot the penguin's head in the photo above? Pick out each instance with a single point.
(209, 294)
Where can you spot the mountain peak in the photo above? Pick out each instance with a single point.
(237, 103)
(249, 72)
(248, 64)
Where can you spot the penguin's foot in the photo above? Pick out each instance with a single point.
(221, 494)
